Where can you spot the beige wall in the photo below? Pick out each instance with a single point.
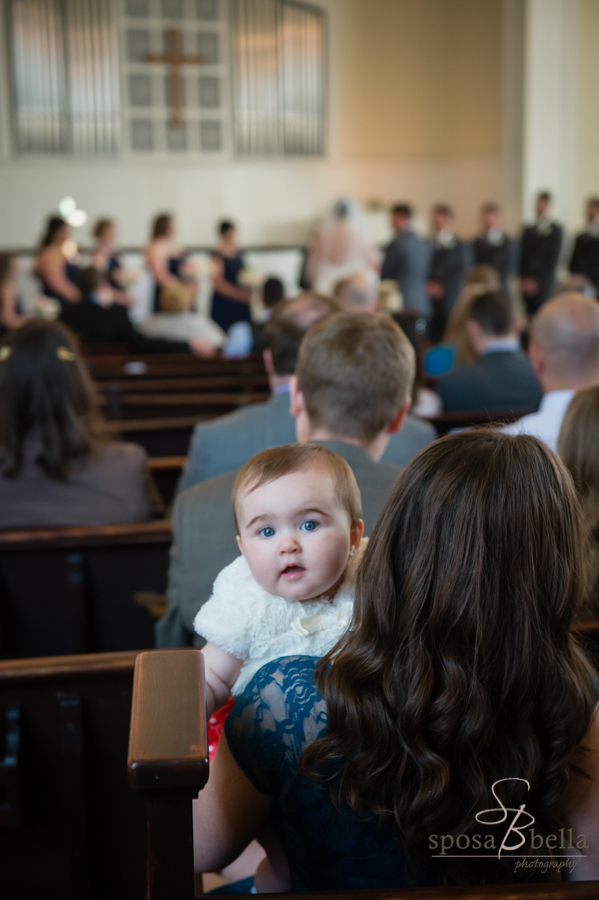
(587, 105)
(420, 79)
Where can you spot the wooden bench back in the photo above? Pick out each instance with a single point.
(70, 827)
(72, 590)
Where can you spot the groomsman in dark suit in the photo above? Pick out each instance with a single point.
(446, 271)
(539, 252)
(493, 246)
(585, 258)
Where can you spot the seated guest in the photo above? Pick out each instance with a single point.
(11, 315)
(56, 466)
(351, 392)
(577, 446)
(228, 442)
(455, 348)
(230, 300)
(244, 338)
(359, 291)
(55, 272)
(501, 379)
(93, 322)
(564, 353)
(426, 716)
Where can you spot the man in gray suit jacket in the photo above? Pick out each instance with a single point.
(228, 442)
(351, 392)
(407, 261)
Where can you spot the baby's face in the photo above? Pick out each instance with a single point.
(295, 536)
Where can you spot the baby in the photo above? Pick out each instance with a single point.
(298, 515)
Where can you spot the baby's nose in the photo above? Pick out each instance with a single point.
(289, 544)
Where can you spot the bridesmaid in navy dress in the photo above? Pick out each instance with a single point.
(106, 259)
(56, 273)
(164, 259)
(11, 312)
(230, 302)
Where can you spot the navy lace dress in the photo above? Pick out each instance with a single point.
(280, 713)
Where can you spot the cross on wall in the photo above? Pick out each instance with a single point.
(174, 59)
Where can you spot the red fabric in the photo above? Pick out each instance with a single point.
(216, 723)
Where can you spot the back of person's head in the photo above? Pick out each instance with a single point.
(88, 280)
(566, 329)
(341, 209)
(45, 393)
(54, 225)
(225, 227)
(273, 290)
(576, 284)
(493, 311)
(290, 320)
(162, 225)
(101, 226)
(403, 210)
(356, 292)
(460, 668)
(355, 372)
(485, 275)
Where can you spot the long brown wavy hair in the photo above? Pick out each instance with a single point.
(577, 446)
(46, 392)
(460, 668)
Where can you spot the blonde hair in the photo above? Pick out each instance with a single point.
(276, 462)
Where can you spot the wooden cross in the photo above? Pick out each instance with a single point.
(174, 59)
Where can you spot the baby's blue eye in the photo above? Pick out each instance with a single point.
(310, 525)
(267, 531)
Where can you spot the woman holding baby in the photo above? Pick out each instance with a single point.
(456, 701)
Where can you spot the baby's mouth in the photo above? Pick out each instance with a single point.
(290, 573)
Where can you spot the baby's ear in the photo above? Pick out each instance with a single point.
(238, 539)
(357, 530)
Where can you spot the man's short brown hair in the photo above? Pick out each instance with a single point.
(290, 320)
(355, 371)
(276, 462)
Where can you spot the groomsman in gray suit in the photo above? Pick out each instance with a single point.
(351, 392)
(407, 261)
(229, 441)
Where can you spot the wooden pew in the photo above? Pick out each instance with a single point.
(159, 437)
(202, 405)
(70, 827)
(166, 471)
(445, 422)
(72, 590)
(175, 365)
(168, 765)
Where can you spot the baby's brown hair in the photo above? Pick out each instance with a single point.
(279, 461)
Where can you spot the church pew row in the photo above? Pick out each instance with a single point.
(446, 422)
(70, 827)
(171, 365)
(79, 590)
(168, 765)
(158, 437)
(208, 405)
(166, 471)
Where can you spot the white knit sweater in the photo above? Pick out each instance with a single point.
(256, 627)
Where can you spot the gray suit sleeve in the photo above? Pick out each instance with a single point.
(175, 628)
(192, 473)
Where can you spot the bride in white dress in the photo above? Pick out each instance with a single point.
(341, 248)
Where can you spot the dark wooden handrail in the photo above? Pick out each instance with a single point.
(188, 399)
(168, 762)
(87, 535)
(172, 383)
(49, 668)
